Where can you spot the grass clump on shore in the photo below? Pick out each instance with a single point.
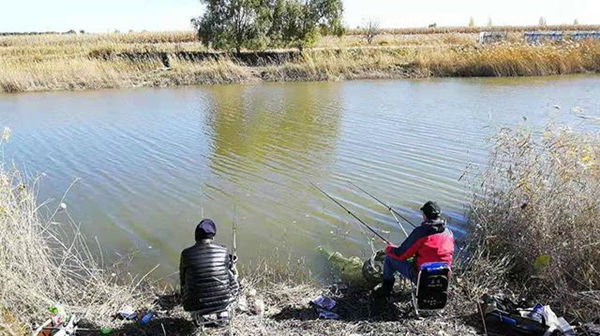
(538, 207)
(43, 262)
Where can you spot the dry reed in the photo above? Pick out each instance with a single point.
(43, 262)
(74, 62)
(510, 59)
(538, 208)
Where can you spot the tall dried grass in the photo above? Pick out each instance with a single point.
(43, 262)
(72, 62)
(538, 206)
(343, 64)
(510, 59)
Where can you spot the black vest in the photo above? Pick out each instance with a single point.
(207, 284)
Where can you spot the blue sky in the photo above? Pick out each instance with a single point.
(108, 15)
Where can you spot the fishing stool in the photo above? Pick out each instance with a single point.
(430, 294)
(215, 318)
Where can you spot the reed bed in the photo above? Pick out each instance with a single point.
(537, 209)
(508, 59)
(501, 60)
(344, 64)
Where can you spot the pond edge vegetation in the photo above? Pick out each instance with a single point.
(46, 63)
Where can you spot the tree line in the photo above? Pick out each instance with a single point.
(260, 24)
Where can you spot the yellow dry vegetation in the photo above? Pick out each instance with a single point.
(537, 206)
(94, 61)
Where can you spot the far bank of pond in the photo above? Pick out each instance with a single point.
(79, 65)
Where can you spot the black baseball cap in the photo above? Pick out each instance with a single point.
(206, 229)
(431, 210)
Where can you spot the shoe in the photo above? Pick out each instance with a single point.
(381, 297)
(386, 288)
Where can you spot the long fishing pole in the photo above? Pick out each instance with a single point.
(234, 237)
(349, 212)
(391, 210)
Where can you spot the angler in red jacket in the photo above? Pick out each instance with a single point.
(432, 241)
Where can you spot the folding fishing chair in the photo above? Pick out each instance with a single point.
(430, 294)
(219, 317)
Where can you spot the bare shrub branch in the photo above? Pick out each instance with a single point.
(371, 30)
(539, 205)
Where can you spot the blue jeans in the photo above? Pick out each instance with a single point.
(405, 268)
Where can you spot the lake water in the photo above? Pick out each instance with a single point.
(150, 163)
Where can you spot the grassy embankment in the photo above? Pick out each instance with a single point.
(534, 235)
(71, 62)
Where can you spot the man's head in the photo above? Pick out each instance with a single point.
(206, 229)
(431, 210)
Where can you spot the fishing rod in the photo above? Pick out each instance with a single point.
(234, 256)
(349, 212)
(391, 210)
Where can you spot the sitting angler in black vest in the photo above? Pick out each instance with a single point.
(207, 274)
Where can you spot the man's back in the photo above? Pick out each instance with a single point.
(437, 244)
(432, 241)
(207, 284)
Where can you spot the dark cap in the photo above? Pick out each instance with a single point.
(206, 229)
(431, 210)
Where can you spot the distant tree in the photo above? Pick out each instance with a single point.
(575, 22)
(71, 32)
(371, 30)
(471, 22)
(278, 18)
(490, 23)
(82, 32)
(299, 22)
(542, 21)
(256, 24)
(231, 24)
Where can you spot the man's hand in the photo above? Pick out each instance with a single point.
(389, 249)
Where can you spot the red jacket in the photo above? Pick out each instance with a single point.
(430, 242)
